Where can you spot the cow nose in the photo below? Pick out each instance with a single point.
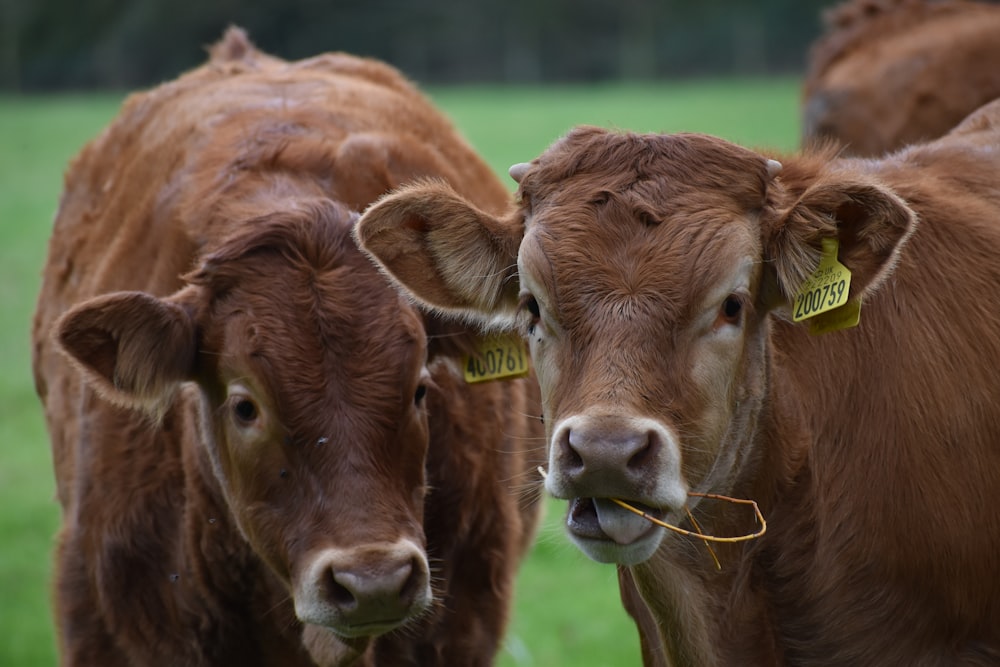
(363, 594)
(611, 460)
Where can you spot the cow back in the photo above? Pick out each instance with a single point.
(885, 75)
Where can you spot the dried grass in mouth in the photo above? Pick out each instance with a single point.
(707, 539)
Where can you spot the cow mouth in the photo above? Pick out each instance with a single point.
(604, 520)
(366, 630)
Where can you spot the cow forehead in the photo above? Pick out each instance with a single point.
(630, 212)
(585, 258)
(654, 173)
(297, 318)
(329, 342)
(341, 390)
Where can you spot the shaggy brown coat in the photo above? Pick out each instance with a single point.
(654, 276)
(888, 73)
(263, 454)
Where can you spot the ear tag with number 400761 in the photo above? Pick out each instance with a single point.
(823, 297)
(498, 358)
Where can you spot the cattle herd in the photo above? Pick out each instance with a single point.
(267, 281)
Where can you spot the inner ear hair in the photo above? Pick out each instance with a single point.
(133, 348)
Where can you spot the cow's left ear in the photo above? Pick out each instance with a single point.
(133, 348)
(871, 223)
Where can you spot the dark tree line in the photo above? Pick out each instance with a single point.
(50, 44)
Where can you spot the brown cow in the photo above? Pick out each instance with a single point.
(307, 469)
(888, 73)
(656, 278)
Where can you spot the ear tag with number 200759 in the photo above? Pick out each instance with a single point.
(497, 358)
(823, 297)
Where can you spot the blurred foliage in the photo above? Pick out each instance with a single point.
(121, 44)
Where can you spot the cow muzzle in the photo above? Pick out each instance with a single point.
(594, 458)
(364, 592)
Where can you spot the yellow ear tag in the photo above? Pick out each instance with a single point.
(824, 295)
(497, 358)
(845, 317)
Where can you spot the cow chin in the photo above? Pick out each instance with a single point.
(609, 551)
(327, 649)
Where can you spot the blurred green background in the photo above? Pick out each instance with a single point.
(59, 44)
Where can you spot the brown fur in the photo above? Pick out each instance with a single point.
(871, 451)
(888, 73)
(253, 403)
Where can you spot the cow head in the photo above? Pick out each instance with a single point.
(312, 378)
(643, 270)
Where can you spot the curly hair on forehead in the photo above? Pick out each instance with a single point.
(648, 165)
(311, 234)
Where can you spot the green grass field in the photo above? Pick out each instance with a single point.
(567, 609)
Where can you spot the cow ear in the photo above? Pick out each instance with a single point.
(870, 222)
(446, 253)
(133, 348)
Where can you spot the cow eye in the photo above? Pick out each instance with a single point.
(244, 410)
(731, 309)
(418, 396)
(530, 305)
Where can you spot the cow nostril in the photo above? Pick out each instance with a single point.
(572, 460)
(339, 594)
(412, 585)
(644, 453)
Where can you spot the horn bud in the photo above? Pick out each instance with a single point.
(518, 170)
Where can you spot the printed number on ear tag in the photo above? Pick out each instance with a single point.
(827, 290)
(498, 358)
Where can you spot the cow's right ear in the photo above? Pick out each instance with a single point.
(133, 348)
(443, 251)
